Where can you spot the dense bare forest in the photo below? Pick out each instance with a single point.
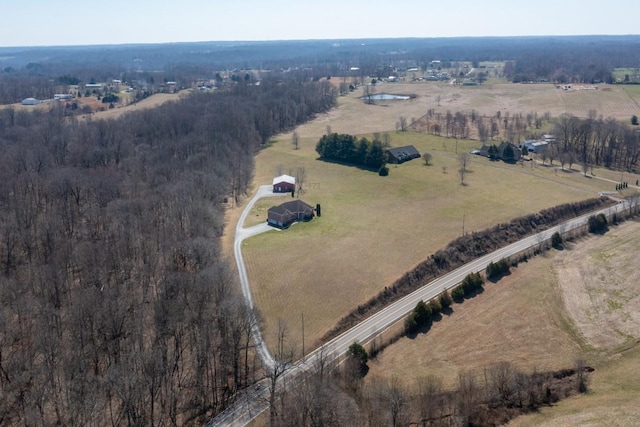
(117, 306)
(491, 397)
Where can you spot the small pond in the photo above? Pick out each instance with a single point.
(386, 97)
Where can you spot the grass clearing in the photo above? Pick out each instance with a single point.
(373, 229)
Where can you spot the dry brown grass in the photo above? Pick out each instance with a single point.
(523, 318)
(152, 101)
(355, 117)
(95, 105)
(513, 320)
(374, 229)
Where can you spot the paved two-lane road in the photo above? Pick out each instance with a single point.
(255, 402)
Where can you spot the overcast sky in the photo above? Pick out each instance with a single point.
(82, 22)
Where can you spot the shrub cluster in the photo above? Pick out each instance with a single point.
(419, 318)
(497, 269)
(556, 240)
(597, 223)
(422, 315)
(471, 284)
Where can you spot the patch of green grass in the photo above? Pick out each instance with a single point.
(613, 305)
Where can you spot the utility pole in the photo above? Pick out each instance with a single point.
(463, 224)
(302, 317)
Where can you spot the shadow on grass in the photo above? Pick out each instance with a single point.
(469, 296)
(353, 165)
(419, 331)
(496, 278)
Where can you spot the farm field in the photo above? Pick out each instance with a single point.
(373, 229)
(355, 117)
(152, 101)
(582, 300)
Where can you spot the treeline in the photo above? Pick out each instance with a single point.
(595, 141)
(494, 396)
(117, 307)
(463, 250)
(349, 149)
(16, 87)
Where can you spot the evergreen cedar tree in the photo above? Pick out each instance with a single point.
(497, 269)
(349, 149)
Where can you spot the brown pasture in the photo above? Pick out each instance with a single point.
(580, 301)
(355, 117)
(373, 229)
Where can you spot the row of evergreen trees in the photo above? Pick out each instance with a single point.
(349, 149)
(423, 313)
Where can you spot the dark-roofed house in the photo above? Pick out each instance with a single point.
(289, 212)
(284, 184)
(402, 154)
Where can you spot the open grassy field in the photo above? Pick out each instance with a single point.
(373, 229)
(542, 316)
(619, 102)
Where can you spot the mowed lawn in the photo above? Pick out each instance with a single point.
(373, 229)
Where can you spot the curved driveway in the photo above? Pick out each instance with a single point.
(244, 233)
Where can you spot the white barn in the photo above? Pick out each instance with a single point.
(284, 184)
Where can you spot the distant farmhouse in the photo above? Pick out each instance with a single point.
(534, 146)
(402, 154)
(289, 212)
(63, 96)
(548, 138)
(506, 152)
(284, 184)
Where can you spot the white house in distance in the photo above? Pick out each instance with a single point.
(284, 184)
(534, 146)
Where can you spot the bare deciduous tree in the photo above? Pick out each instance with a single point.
(295, 140)
(463, 160)
(386, 141)
(301, 176)
(429, 398)
(402, 124)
